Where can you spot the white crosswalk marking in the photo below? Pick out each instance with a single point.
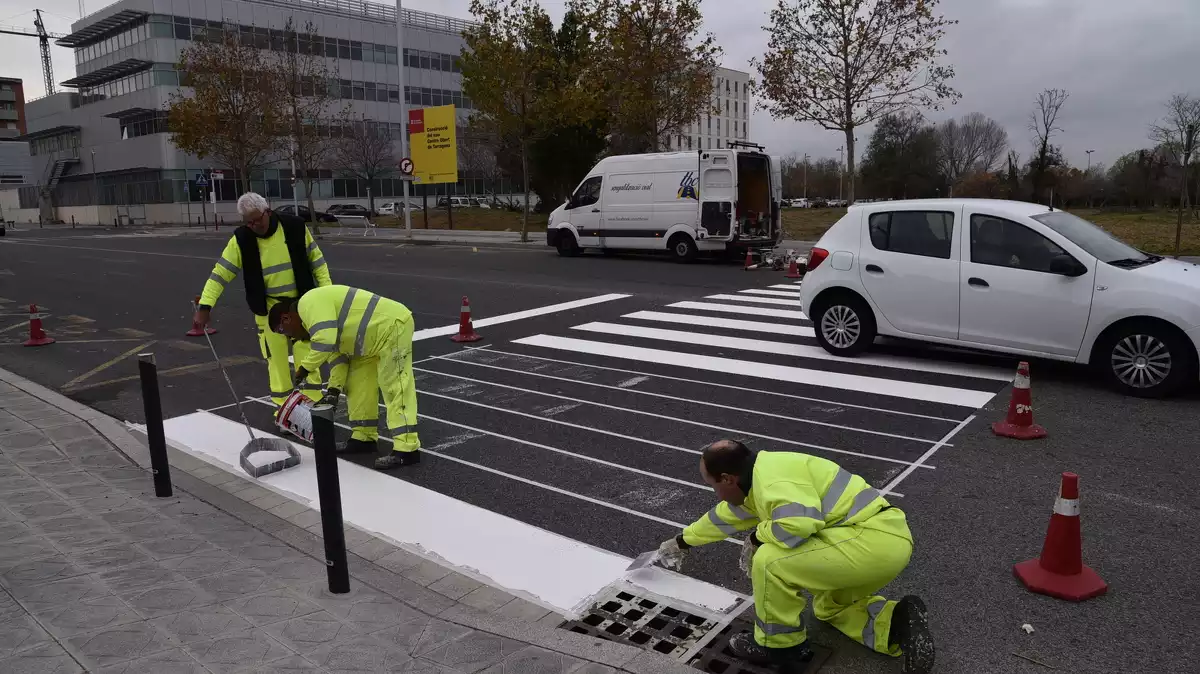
(730, 323)
(774, 293)
(752, 298)
(739, 309)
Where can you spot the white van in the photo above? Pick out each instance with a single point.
(684, 202)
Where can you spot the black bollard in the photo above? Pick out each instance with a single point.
(329, 491)
(154, 425)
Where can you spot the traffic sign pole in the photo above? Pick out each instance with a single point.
(403, 109)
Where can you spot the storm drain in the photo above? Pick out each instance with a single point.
(647, 622)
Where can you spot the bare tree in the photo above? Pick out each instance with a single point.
(366, 150)
(846, 63)
(973, 144)
(1043, 124)
(1176, 134)
(477, 157)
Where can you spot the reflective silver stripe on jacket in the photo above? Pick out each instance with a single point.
(361, 336)
(322, 325)
(862, 499)
(344, 314)
(276, 268)
(229, 266)
(311, 247)
(836, 489)
(785, 537)
(796, 510)
(773, 629)
(412, 428)
(318, 263)
(741, 513)
(322, 347)
(342, 359)
(217, 277)
(721, 524)
(868, 633)
(281, 289)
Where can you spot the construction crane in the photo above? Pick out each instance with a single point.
(44, 42)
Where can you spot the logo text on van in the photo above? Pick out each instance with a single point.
(687, 186)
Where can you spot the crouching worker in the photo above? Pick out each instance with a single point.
(367, 341)
(816, 527)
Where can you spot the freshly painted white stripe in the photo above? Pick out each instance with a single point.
(751, 298)
(552, 570)
(794, 287)
(928, 454)
(691, 401)
(747, 368)
(773, 293)
(701, 382)
(429, 333)
(689, 422)
(730, 323)
(800, 350)
(739, 309)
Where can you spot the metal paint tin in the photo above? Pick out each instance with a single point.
(295, 416)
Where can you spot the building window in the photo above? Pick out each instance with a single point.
(144, 125)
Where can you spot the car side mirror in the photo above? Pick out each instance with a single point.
(1065, 265)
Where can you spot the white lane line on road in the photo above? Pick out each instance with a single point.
(748, 368)
(773, 293)
(920, 463)
(799, 350)
(739, 309)
(695, 402)
(731, 323)
(752, 298)
(702, 382)
(688, 422)
(428, 333)
(794, 287)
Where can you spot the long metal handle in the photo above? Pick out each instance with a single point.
(236, 400)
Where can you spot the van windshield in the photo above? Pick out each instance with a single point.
(1090, 237)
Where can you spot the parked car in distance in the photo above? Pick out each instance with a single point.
(817, 202)
(1009, 277)
(350, 209)
(303, 212)
(800, 203)
(397, 207)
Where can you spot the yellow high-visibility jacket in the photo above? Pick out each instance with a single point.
(277, 269)
(345, 322)
(792, 496)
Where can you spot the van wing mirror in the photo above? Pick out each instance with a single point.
(1066, 265)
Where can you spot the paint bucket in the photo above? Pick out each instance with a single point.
(295, 416)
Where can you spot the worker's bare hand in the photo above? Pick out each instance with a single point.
(201, 317)
(670, 555)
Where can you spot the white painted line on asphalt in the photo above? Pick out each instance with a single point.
(772, 293)
(702, 382)
(731, 323)
(692, 401)
(689, 422)
(747, 368)
(928, 454)
(739, 309)
(428, 333)
(751, 298)
(799, 350)
(794, 287)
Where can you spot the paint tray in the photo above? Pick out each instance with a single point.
(269, 445)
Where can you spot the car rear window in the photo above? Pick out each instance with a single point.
(925, 233)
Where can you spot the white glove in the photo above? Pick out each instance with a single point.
(746, 559)
(670, 555)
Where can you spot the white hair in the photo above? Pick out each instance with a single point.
(251, 202)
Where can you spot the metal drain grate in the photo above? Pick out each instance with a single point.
(647, 622)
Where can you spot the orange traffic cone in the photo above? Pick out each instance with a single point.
(1059, 571)
(197, 329)
(1019, 422)
(37, 336)
(466, 331)
(749, 263)
(794, 270)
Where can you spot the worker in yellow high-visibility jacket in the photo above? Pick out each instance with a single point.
(817, 527)
(368, 340)
(277, 259)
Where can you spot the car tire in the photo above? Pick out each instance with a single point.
(844, 324)
(566, 245)
(1145, 359)
(683, 248)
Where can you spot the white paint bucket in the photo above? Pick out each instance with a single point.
(295, 416)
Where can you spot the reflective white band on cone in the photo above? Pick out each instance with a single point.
(1021, 381)
(1066, 506)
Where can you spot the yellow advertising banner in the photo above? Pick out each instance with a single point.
(434, 145)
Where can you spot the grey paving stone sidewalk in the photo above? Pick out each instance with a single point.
(97, 574)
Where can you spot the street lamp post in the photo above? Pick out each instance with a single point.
(1087, 175)
(95, 188)
(841, 170)
(806, 176)
(403, 110)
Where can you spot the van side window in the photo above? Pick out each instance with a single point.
(588, 193)
(925, 233)
(1004, 243)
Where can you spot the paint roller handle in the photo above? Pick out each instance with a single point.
(228, 382)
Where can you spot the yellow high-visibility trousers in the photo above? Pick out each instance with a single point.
(275, 349)
(843, 568)
(386, 369)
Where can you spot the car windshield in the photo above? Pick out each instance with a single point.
(1099, 243)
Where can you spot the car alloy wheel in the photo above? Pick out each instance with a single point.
(840, 326)
(1141, 361)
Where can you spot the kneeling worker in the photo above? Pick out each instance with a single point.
(367, 339)
(816, 527)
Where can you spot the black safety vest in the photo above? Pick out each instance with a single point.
(294, 236)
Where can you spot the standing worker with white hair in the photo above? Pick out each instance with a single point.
(278, 259)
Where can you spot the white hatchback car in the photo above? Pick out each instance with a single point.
(1005, 276)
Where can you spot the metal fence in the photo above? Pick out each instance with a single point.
(378, 12)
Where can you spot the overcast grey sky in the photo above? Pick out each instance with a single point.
(1118, 59)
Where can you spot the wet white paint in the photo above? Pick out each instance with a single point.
(633, 382)
(555, 571)
(559, 409)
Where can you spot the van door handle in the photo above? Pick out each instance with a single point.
(595, 210)
(977, 282)
(874, 269)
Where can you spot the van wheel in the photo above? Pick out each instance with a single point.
(566, 245)
(1145, 359)
(844, 324)
(683, 248)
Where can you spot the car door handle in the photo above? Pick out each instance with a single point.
(977, 282)
(874, 269)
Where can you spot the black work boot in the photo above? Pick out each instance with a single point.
(396, 459)
(910, 631)
(793, 660)
(355, 446)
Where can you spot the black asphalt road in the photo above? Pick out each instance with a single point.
(604, 450)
